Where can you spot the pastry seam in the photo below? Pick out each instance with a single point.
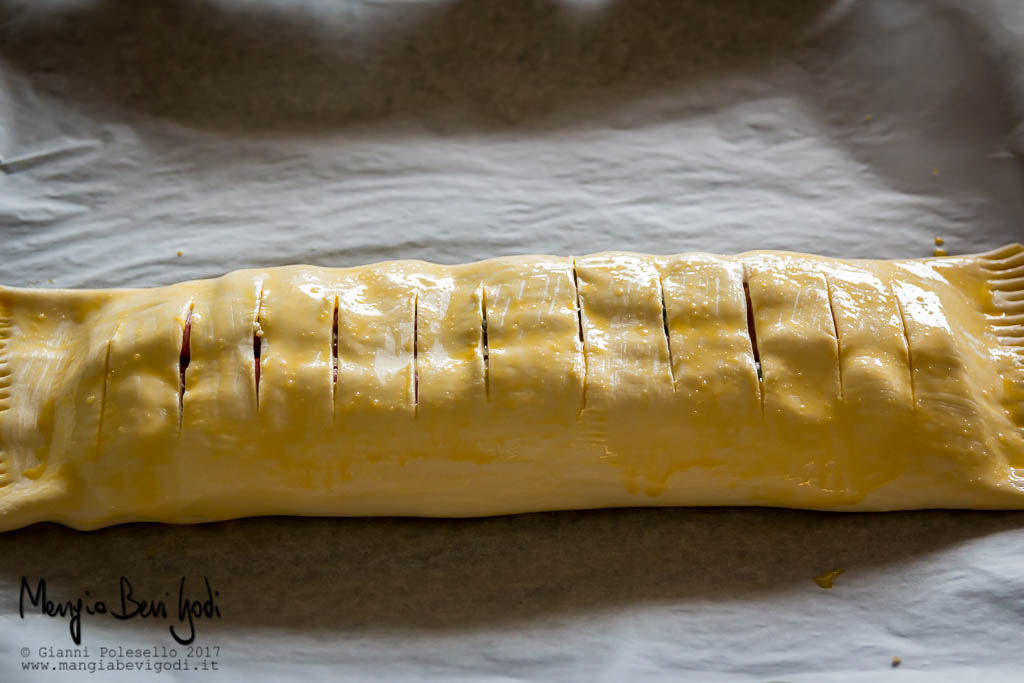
(1005, 281)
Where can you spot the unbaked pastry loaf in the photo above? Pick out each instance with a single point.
(518, 384)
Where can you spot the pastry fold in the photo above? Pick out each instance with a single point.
(518, 384)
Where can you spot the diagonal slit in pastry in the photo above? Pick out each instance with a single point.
(416, 354)
(334, 344)
(578, 303)
(751, 328)
(257, 344)
(484, 347)
(184, 358)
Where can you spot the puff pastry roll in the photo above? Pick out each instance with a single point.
(518, 384)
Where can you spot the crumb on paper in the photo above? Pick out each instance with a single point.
(868, 118)
(935, 171)
(826, 580)
(896, 661)
(179, 252)
(939, 241)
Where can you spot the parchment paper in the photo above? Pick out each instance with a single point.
(244, 133)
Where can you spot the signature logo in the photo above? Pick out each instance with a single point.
(190, 608)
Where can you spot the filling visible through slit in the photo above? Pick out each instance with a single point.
(483, 342)
(416, 353)
(257, 345)
(664, 325)
(334, 344)
(183, 360)
(752, 332)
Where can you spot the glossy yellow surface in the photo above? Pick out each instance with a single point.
(518, 384)
(828, 579)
